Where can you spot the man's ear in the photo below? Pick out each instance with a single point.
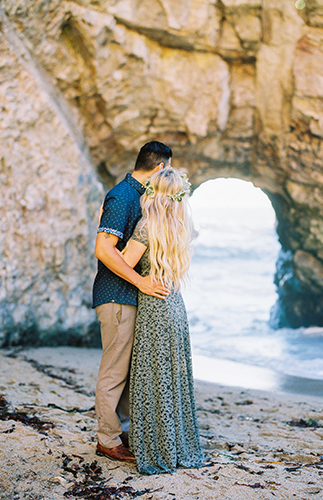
(160, 166)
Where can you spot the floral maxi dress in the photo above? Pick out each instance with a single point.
(163, 430)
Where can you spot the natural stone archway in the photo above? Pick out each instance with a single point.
(235, 87)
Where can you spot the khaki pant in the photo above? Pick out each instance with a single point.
(112, 390)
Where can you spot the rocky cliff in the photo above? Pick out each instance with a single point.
(235, 87)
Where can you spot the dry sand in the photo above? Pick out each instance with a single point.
(259, 445)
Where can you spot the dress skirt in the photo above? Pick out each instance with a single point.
(164, 432)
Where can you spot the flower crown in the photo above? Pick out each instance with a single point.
(174, 197)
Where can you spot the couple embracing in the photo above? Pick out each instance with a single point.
(145, 373)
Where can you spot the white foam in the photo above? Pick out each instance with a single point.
(224, 372)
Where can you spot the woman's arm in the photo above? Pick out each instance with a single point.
(109, 255)
(133, 252)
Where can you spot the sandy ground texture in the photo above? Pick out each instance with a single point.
(258, 445)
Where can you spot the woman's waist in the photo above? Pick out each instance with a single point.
(173, 292)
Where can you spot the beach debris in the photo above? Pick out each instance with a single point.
(209, 437)
(226, 456)
(213, 411)
(70, 410)
(310, 422)
(243, 467)
(229, 445)
(191, 475)
(91, 471)
(98, 491)
(254, 486)
(210, 463)
(92, 485)
(23, 417)
(277, 462)
(62, 481)
(313, 490)
(292, 469)
(312, 460)
(246, 402)
(102, 491)
(49, 370)
(57, 373)
(272, 484)
(9, 431)
(237, 449)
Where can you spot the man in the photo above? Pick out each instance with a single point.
(115, 299)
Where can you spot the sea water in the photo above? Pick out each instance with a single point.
(231, 293)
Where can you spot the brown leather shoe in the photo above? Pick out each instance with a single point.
(117, 453)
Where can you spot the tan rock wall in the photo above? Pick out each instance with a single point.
(49, 196)
(235, 87)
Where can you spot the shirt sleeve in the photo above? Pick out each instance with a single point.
(114, 217)
(140, 233)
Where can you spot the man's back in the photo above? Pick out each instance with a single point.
(121, 212)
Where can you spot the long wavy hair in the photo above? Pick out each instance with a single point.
(169, 227)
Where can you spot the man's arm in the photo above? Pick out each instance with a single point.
(108, 254)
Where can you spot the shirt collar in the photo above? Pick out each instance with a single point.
(135, 184)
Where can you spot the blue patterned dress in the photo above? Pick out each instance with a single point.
(164, 430)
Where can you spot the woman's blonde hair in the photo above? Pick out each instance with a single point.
(169, 225)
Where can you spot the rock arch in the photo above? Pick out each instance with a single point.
(235, 87)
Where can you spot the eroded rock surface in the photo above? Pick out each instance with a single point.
(234, 87)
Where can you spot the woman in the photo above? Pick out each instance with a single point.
(163, 424)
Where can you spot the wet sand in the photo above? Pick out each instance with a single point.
(232, 373)
(258, 444)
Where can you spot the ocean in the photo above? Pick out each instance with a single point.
(231, 293)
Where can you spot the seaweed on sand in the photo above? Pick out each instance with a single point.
(102, 492)
(93, 486)
(23, 417)
(304, 423)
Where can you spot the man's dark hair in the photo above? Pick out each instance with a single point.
(151, 154)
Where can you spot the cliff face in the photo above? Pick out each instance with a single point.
(235, 87)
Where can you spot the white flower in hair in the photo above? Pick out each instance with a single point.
(174, 197)
(149, 189)
(186, 189)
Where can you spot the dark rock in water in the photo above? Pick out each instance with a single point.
(84, 336)
(300, 297)
(235, 88)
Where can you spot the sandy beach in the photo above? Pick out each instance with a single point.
(258, 444)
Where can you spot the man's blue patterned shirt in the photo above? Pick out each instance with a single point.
(121, 212)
